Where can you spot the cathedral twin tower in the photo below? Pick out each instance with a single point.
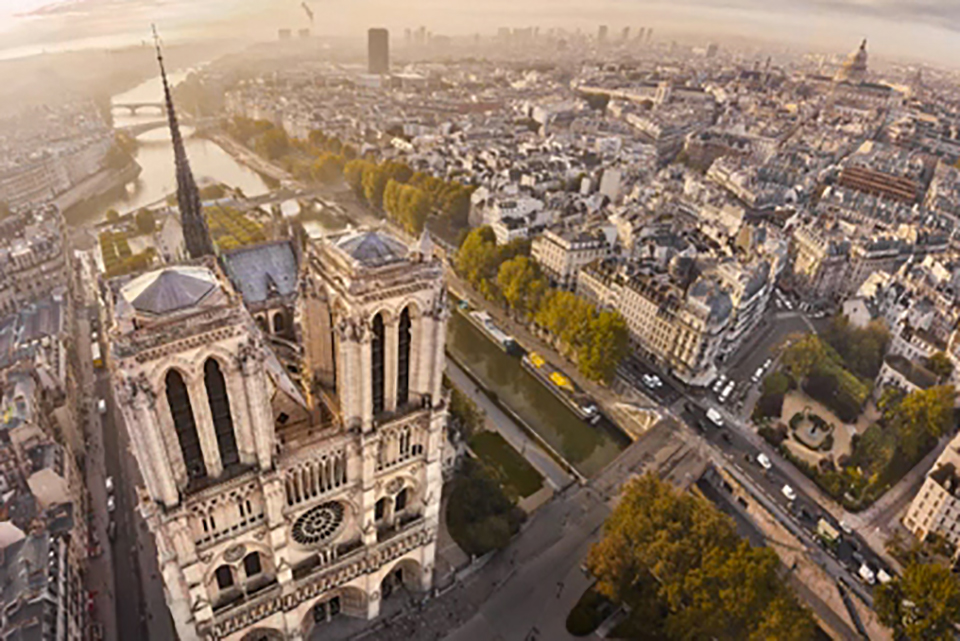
(291, 436)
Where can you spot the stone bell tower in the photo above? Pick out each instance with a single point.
(279, 506)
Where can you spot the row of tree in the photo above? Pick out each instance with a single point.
(596, 338)
(713, 584)
(407, 197)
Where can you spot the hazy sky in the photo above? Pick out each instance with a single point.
(914, 29)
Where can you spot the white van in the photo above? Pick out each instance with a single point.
(867, 574)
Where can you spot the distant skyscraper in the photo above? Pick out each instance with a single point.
(626, 34)
(649, 33)
(640, 33)
(602, 33)
(303, 33)
(712, 49)
(196, 235)
(407, 36)
(284, 34)
(378, 50)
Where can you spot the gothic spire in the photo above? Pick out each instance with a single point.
(195, 232)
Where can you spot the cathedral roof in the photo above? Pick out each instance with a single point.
(372, 248)
(263, 271)
(170, 289)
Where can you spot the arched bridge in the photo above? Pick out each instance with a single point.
(136, 129)
(134, 107)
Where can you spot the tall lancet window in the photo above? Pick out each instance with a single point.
(403, 358)
(182, 412)
(377, 349)
(220, 410)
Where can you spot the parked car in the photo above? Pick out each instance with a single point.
(789, 493)
(109, 484)
(718, 385)
(883, 576)
(715, 417)
(112, 530)
(867, 574)
(111, 503)
(846, 528)
(102, 406)
(764, 461)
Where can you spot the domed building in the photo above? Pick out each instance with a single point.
(854, 69)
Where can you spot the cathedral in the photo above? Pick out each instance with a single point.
(291, 453)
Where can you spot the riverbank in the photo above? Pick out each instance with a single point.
(248, 158)
(102, 182)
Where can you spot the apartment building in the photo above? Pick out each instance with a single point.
(936, 507)
(681, 330)
(562, 253)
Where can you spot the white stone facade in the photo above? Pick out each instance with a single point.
(310, 501)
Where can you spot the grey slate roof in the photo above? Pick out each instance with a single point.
(373, 248)
(170, 289)
(262, 271)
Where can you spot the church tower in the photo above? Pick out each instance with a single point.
(196, 235)
(278, 506)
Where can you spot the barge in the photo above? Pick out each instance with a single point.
(562, 387)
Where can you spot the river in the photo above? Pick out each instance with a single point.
(587, 447)
(154, 154)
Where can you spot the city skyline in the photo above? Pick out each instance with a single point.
(901, 29)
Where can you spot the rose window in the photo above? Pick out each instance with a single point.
(318, 524)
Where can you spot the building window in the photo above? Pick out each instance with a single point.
(251, 564)
(220, 409)
(377, 350)
(279, 324)
(183, 422)
(400, 502)
(224, 577)
(403, 358)
(379, 508)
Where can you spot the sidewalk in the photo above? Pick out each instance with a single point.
(555, 475)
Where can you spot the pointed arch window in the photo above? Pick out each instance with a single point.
(183, 422)
(279, 323)
(403, 358)
(220, 410)
(377, 349)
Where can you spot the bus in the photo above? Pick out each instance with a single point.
(97, 358)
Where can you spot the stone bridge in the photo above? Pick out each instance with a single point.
(134, 107)
(136, 129)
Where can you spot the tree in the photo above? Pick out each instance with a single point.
(803, 355)
(520, 284)
(328, 168)
(477, 258)
(600, 356)
(923, 415)
(353, 173)
(113, 216)
(374, 182)
(923, 604)
(713, 584)
(146, 221)
(480, 516)
(273, 143)
(941, 365)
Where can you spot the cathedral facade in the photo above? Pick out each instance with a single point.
(280, 500)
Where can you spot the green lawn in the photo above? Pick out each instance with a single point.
(512, 471)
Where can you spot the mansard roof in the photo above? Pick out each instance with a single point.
(170, 289)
